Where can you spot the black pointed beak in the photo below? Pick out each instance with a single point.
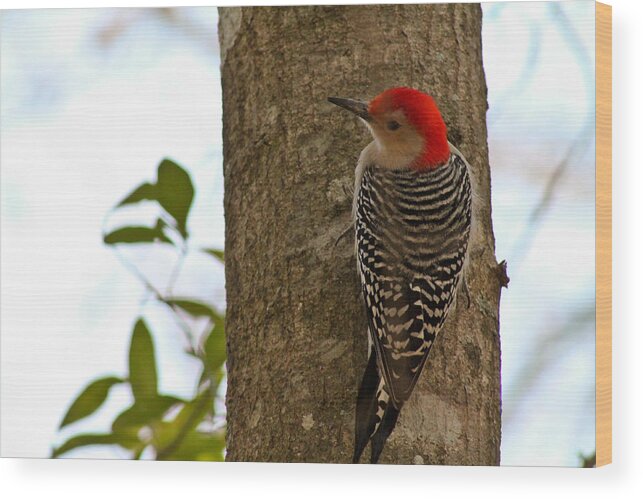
(357, 107)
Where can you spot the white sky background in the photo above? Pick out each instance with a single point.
(86, 119)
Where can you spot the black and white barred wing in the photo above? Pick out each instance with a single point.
(412, 234)
(405, 317)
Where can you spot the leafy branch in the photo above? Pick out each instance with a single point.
(167, 426)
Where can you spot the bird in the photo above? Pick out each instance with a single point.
(412, 222)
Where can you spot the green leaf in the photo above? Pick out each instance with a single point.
(175, 192)
(129, 438)
(134, 234)
(131, 420)
(193, 411)
(215, 346)
(142, 364)
(143, 192)
(91, 439)
(168, 401)
(216, 253)
(145, 413)
(89, 400)
(198, 446)
(194, 308)
(169, 434)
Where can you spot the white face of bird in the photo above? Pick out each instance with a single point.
(408, 128)
(398, 141)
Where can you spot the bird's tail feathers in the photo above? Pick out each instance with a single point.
(366, 406)
(387, 422)
(375, 414)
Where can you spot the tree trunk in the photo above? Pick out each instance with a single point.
(296, 324)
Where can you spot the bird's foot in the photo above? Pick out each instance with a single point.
(344, 232)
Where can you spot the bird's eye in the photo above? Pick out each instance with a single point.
(393, 125)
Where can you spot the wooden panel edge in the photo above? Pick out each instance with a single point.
(603, 234)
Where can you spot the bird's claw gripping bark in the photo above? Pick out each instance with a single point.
(349, 190)
(344, 232)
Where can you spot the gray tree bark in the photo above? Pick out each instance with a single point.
(295, 321)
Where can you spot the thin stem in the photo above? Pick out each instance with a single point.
(178, 266)
(134, 270)
(183, 326)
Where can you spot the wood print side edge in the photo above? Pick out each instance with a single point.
(603, 234)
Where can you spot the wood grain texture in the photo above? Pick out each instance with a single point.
(603, 234)
(295, 319)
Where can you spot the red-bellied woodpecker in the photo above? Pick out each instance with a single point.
(412, 215)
